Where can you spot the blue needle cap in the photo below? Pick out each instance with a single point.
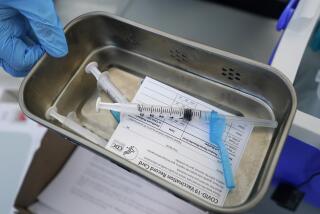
(217, 127)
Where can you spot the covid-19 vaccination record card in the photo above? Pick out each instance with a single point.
(178, 151)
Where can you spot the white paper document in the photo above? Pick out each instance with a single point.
(91, 184)
(175, 150)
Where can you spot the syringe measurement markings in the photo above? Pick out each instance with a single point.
(186, 104)
(165, 110)
(197, 113)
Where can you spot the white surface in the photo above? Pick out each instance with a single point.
(8, 82)
(18, 141)
(70, 9)
(12, 169)
(91, 184)
(295, 39)
(288, 58)
(176, 150)
(306, 128)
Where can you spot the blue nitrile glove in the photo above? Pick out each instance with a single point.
(28, 29)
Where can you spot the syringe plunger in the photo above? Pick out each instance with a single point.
(105, 83)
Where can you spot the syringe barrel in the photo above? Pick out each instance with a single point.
(257, 122)
(128, 108)
(92, 68)
(77, 128)
(74, 126)
(105, 83)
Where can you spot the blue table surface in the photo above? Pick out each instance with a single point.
(298, 161)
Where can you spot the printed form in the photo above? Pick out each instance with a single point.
(89, 183)
(175, 150)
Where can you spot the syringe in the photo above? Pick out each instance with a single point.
(74, 126)
(105, 83)
(177, 112)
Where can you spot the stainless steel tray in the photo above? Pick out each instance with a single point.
(132, 51)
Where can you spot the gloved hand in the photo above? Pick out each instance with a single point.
(28, 29)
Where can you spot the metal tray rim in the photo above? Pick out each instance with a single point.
(285, 129)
